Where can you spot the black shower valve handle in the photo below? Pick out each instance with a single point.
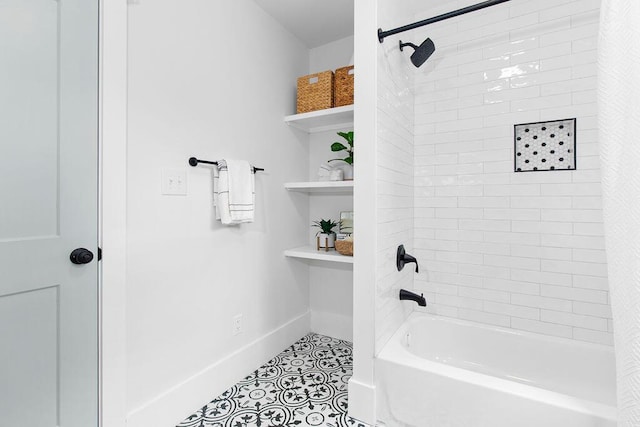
(414, 260)
(402, 258)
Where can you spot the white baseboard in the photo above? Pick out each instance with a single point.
(362, 402)
(333, 325)
(172, 406)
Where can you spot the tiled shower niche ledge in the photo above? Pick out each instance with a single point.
(545, 146)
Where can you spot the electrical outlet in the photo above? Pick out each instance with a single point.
(237, 324)
(174, 182)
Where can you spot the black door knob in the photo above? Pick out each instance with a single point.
(81, 256)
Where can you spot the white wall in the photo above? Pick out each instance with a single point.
(212, 80)
(521, 250)
(395, 161)
(362, 383)
(113, 212)
(332, 55)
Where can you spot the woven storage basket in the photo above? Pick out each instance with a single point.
(345, 247)
(315, 92)
(344, 86)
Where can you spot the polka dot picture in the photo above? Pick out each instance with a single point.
(545, 146)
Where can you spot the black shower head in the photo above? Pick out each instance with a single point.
(421, 53)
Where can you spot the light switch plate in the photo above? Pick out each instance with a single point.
(174, 182)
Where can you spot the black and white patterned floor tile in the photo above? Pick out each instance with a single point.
(305, 385)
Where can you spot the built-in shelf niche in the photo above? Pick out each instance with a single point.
(314, 122)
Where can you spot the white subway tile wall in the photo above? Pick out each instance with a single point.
(520, 250)
(395, 171)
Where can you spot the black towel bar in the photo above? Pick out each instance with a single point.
(194, 162)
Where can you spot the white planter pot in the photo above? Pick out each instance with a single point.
(346, 168)
(347, 172)
(326, 241)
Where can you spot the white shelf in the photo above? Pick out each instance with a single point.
(310, 252)
(345, 187)
(322, 120)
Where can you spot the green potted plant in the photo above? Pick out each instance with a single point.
(325, 237)
(347, 169)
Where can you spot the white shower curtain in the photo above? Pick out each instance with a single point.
(619, 135)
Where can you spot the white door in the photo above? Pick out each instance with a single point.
(48, 208)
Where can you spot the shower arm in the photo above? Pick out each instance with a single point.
(403, 45)
(472, 8)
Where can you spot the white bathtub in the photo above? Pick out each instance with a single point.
(441, 372)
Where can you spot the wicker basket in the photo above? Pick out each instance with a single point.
(345, 247)
(315, 92)
(344, 86)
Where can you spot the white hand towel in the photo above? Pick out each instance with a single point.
(216, 189)
(233, 191)
(241, 191)
(221, 193)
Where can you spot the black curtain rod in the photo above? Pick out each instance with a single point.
(473, 8)
(194, 162)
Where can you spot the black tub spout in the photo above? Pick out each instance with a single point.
(408, 295)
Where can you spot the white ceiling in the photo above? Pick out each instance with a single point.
(314, 22)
